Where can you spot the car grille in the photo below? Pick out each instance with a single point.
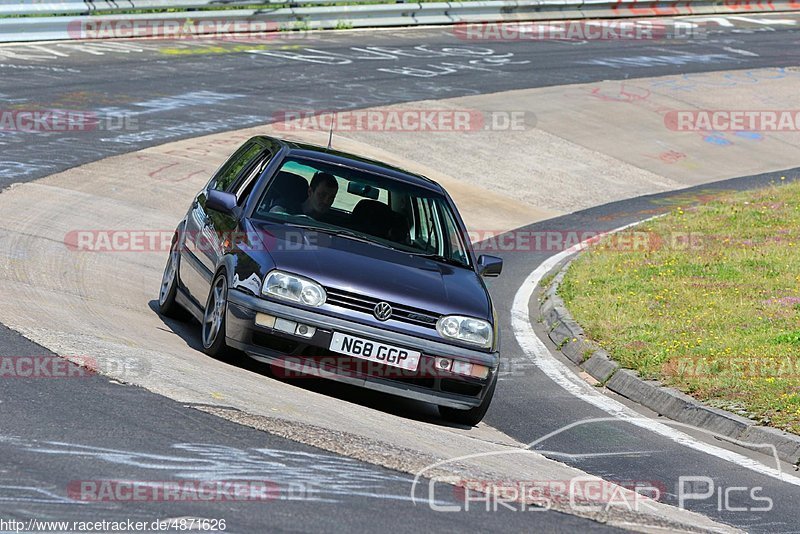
(406, 314)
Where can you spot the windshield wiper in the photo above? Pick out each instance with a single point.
(340, 232)
(442, 259)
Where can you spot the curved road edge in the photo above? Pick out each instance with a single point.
(568, 335)
(540, 354)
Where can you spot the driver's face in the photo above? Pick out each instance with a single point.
(321, 198)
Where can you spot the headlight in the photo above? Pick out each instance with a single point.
(466, 329)
(293, 288)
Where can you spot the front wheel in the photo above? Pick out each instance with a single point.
(214, 317)
(472, 416)
(167, 305)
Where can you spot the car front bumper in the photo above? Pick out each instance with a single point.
(311, 355)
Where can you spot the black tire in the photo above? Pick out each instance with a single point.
(167, 304)
(470, 417)
(213, 323)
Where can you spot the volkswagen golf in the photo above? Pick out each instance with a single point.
(328, 264)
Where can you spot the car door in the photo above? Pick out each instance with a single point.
(205, 228)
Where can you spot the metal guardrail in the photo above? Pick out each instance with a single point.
(17, 7)
(70, 27)
(87, 7)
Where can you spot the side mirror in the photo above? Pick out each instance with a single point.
(489, 266)
(221, 201)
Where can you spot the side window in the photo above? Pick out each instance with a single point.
(244, 185)
(426, 231)
(227, 175)
(458, 251)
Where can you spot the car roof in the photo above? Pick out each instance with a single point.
(347, 159)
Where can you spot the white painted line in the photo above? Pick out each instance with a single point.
(721, 21)
(536, 350)
(740, 51)
(767, 22)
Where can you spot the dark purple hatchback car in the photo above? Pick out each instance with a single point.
(328, 264)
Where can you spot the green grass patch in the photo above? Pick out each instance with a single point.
(705, 299)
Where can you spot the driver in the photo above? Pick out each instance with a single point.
(321, 194)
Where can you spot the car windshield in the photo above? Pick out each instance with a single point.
(360, 205)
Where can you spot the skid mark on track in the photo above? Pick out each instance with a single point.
(326, 477)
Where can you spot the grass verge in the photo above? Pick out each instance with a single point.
(705, 299)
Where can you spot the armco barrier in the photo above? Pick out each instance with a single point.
(649, 8)
(17, 7)
(33, 28)
(86, 7)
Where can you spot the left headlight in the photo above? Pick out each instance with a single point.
(467, 329)
(293, 288)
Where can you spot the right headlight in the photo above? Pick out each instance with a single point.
(294, 288)
(467, 329)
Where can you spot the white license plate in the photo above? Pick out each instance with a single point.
(374, 351)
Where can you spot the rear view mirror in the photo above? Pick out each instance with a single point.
(363, 190)
(489, 266)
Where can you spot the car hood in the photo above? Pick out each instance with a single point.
(375, 271)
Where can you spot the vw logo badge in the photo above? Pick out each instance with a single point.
(382, 311)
